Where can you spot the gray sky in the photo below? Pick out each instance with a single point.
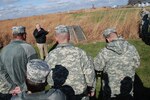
(10, 9)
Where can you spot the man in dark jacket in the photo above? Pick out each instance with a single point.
(37, 72)
(40, 36)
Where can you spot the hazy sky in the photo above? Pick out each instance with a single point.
(20, 8)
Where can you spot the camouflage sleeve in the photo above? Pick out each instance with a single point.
(51, 62)
(50, 79)
(92, 65)
(136, 58)
(4, 86)
(99, 61)
(88, 69)
(4, 78)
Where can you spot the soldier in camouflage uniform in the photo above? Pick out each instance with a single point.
(36, 80)
(81, 71)
(118, 61)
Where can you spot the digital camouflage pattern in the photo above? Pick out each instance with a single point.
(61, 29)
(81, 71)
(18, 30)
(118, 61)
(107, 32)
(37, 71)
(144, 12)
(4, 86)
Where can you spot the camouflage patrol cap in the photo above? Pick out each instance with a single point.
(61, 29)
(37, 70)
(18, 30)
(108, 31)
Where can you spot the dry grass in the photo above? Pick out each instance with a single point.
(93, 22)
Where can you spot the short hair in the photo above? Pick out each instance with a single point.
(20, 35)
(35, 87)
(61, 29)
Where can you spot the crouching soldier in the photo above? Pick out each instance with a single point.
(37, 72)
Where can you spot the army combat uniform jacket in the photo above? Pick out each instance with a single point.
(118, 61)
(80, 68)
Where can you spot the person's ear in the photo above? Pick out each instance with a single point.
(24, 36)
(107, 40)
(68, 37)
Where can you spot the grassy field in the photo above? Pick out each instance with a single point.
(92, 21)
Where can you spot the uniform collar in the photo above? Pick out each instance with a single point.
(17, 40)
(64, 45)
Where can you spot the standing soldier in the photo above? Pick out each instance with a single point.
(14, 58)
(118, 61)
(40, 36)
(81, 72)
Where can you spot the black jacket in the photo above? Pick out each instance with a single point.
(40, 36)
(52, 94)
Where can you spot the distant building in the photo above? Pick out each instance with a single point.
(133, 2)
(147, 3)
(115, 6)
(143, 4)
(139, 3)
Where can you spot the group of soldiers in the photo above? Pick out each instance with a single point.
(67, 73)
